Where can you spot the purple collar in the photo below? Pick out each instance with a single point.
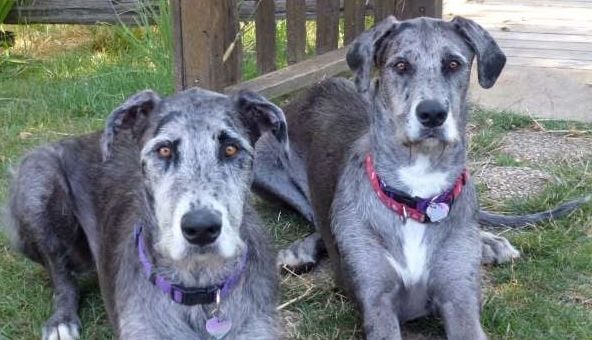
(187, 296)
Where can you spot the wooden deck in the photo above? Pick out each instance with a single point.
(535, 33)
(549, 48)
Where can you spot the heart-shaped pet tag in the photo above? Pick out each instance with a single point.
(437, 211)
(218, 327)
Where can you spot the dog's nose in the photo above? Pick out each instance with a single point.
(201, 226)
(431, 113)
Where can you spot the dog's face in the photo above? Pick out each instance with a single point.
(424, 66)
(196, 155)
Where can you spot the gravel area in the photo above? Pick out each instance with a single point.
(541, 147)
(504, 182)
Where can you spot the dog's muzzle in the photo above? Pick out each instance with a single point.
(431, 114)
(201, 226)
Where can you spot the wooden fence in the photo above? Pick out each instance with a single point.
(207, 37)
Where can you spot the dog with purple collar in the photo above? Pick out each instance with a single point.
(158, 205)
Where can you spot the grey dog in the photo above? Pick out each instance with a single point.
(158, 204)
(379, 167)
(288, 182)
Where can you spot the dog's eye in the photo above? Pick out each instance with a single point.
(453, 65)
(401, 66)
(230, 150)
(165, 152)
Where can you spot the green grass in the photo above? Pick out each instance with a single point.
(49, 91)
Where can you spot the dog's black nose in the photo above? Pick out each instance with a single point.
(201, 226)
(431, 113)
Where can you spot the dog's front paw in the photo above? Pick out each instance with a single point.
(61, 331)
(302, 255)
(496, 249)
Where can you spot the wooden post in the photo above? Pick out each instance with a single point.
(203, 31)
(265, 36)
(353, 18)
(327, 25)
(296, 17)
(407, 9)
(384, 8)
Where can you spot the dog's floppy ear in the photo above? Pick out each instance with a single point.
(490, 58)
(360, 56)
(260, 115)
(133, 114)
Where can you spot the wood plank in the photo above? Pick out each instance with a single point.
(544, 3)
(327, 26)
(265, 36)
(92, 11)
(550, 63)
(567, 30)
(203, 31)
(383, 8)
(298, 76)
(296, 21)
(420, 8)
(517, 12)
(76, 11)
(353, 19)
(545, 45)
(543, 37)
(548, 54)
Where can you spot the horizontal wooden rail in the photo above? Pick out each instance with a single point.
(127, 11)
(298, 76)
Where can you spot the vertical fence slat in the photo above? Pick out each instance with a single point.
(384, 8)
(202, 32)
(327, 25)
(407, 9)
(265, 36)
(353, 19)
(296, 17)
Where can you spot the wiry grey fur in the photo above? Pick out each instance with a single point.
(396, 269)
(287, 182)
(74, 205)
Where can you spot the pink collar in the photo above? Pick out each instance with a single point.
(424, 210)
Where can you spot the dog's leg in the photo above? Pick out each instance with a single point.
(462, 320)
(43, 217)
(458, 302)
(374, 284)
(380, 321)
(281, 178)
(367, 274)
(64, 324)
(496, 249)
(302, 255)
(456, 285)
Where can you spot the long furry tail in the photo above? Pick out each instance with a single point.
(521, 221)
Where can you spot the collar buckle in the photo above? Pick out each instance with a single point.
(405, 215)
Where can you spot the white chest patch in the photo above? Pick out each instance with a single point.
(414, 251)
(421, 180)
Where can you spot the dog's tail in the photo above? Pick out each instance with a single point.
(520, 221)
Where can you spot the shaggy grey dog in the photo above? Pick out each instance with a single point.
(379, 167)
(157, 204)
(288, 182)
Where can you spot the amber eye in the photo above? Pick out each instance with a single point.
(401, 66)
(165, 152)
(230, 150)
(453, 65)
